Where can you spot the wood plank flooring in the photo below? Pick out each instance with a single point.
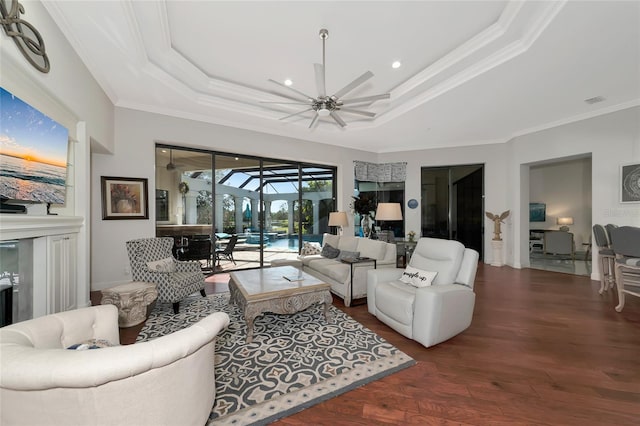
(544, 348)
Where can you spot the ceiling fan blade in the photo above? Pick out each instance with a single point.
(357, 111)
(295, 113)
(314, 120)
(320, 80)
(285, 103)
(355, 83)
(339, 120)
(292, 89)
(365, 99)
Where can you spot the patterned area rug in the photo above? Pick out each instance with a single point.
(294, 361)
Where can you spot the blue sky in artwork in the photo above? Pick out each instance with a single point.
(27, 133)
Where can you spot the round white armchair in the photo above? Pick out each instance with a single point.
(166, 381)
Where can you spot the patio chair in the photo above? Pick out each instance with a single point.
(198, 248)
(151, 261)
(625, 241)
(227, 251)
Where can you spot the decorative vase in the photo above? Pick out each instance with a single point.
(365, 224)
(124, 206)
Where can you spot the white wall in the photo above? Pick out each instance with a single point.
(612, 139)
(68, 83)
(494, 157)
(134, 152)
(70, 95)
(565, 188)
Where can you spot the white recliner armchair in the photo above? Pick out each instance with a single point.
(165, 381)
(434, 313)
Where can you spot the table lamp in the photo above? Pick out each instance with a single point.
(338, 219)
(564, 221)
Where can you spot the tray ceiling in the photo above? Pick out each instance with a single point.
(472, 72)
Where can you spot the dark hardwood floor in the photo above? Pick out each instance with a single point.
(544, 348)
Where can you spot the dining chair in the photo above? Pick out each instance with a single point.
(626, 245)
(606, 258)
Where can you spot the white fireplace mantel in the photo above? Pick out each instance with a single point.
(17, 226)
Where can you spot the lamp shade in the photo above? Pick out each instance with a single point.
(564, 221)
(338, 219)
(388, 211)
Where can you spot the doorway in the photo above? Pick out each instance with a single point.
(452, 204)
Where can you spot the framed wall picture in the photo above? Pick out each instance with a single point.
(124, 198)
(537, 212)
(630, 183)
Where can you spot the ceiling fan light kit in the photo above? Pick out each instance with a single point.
(324, 105)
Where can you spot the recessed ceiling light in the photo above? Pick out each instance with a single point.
(396, 64)
(288, 82)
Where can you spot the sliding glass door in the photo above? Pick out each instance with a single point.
(250, 209)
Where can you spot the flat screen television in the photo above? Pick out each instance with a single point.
(33, 153)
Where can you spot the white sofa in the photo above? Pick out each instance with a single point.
(165, 381)
(338, 274)
(431, 314)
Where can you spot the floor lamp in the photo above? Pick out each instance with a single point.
(338, 219)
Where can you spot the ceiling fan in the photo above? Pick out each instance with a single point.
(171, 165)
(324, 105)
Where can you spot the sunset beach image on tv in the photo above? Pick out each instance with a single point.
(33, 153)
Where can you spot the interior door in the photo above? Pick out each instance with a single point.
(452, 204)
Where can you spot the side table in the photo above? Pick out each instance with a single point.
(352, 263)
(409, 247)
(134, 301)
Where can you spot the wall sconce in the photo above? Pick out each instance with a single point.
(564, 221)
(338, 219)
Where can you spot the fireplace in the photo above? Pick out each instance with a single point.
(16, 280)
(30, 273)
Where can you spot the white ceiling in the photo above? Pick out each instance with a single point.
(473, 72)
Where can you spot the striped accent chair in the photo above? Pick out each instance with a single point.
(152, 261)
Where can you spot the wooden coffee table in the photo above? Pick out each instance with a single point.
(257, 291)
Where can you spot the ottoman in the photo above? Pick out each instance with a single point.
(133, 301)
(286, 262)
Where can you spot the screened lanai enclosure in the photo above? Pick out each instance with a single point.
(237, 212)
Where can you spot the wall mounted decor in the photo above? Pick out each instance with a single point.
(630, 183)
(25, 35)
(124, 198)
(537, 212)
(413, 203)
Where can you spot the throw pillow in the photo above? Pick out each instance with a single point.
(162, 265)
(329, 251)
(345, 254)
(91, 344)
(417, 277)
(309, 249)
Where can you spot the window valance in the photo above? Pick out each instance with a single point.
(384, 172)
